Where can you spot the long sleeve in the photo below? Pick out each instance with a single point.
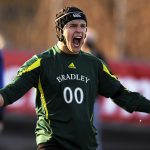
(26, 78)
(132, 101)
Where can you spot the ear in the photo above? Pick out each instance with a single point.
(59, 34)
(85, 33)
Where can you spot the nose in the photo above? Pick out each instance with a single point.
(79, 29)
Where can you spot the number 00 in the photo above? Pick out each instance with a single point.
(77, 94)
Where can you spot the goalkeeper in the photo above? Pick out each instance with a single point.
(67, 81)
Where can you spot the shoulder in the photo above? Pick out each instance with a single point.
(49, 53)
(95, 61)
(92, 58)
(35, 61)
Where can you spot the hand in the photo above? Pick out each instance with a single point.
(1, 100)
(1, 126)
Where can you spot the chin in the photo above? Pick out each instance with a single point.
(76, 50)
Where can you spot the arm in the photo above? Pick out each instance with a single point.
(28, 76)
(131, 101)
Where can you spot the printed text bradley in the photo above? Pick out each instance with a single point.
(79, 77)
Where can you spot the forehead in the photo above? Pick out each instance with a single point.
(78, 21)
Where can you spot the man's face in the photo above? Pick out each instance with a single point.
(74, 33)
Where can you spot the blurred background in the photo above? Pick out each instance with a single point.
(121, 34)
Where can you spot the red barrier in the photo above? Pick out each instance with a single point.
(135, 76)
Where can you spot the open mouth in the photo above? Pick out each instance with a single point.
(76, 41)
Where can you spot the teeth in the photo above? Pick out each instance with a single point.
(78, 37)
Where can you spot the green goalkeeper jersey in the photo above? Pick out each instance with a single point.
(66, 86)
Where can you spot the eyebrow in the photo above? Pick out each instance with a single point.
(74, 23)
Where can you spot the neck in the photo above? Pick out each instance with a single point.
(62, 46)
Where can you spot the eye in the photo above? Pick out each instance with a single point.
(83, 26)
(73, 26)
